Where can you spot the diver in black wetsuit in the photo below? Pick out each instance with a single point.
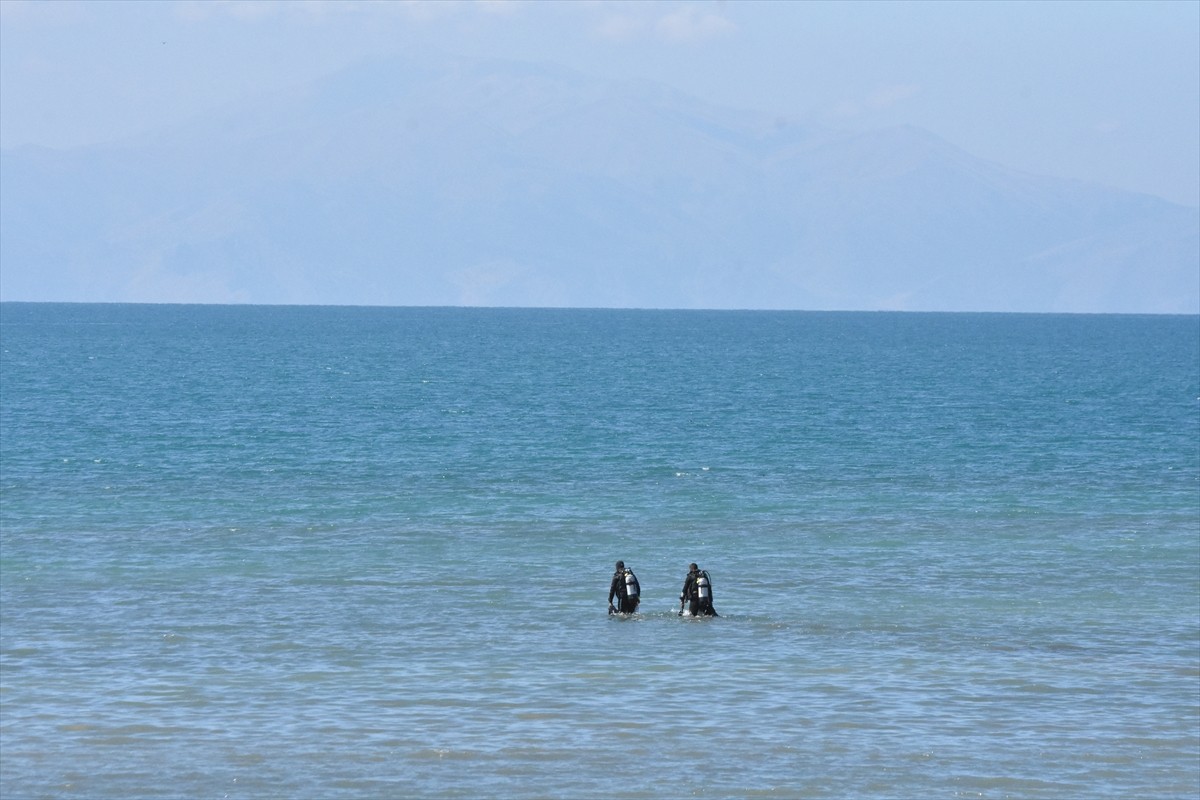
(697, 592)
(625, 588)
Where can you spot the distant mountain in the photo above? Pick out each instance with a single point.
(493, 183)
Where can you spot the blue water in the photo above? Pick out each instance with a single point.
(257, 552)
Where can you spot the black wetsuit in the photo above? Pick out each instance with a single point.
(691, 593)
(625, 605)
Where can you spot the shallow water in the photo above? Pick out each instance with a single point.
(303, 552)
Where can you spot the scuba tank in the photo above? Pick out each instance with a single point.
(631, 584)
(703, 586)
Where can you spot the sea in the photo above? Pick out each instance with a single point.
(365, 552)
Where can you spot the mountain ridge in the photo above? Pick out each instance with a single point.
(486, 183)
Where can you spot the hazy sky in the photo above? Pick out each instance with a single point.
(1108, 92)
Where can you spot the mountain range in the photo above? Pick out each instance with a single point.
(474, 182)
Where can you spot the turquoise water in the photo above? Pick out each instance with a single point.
(258, 552)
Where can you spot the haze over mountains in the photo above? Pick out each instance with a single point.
(507, 184)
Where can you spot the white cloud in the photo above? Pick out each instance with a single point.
(692, 25)
(499, 7)
(620, 28)
(253, 10)
(686, 25)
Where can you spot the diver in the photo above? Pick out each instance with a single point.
(626, 589)
(697, 592)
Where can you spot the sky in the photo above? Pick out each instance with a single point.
(1105, 92)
